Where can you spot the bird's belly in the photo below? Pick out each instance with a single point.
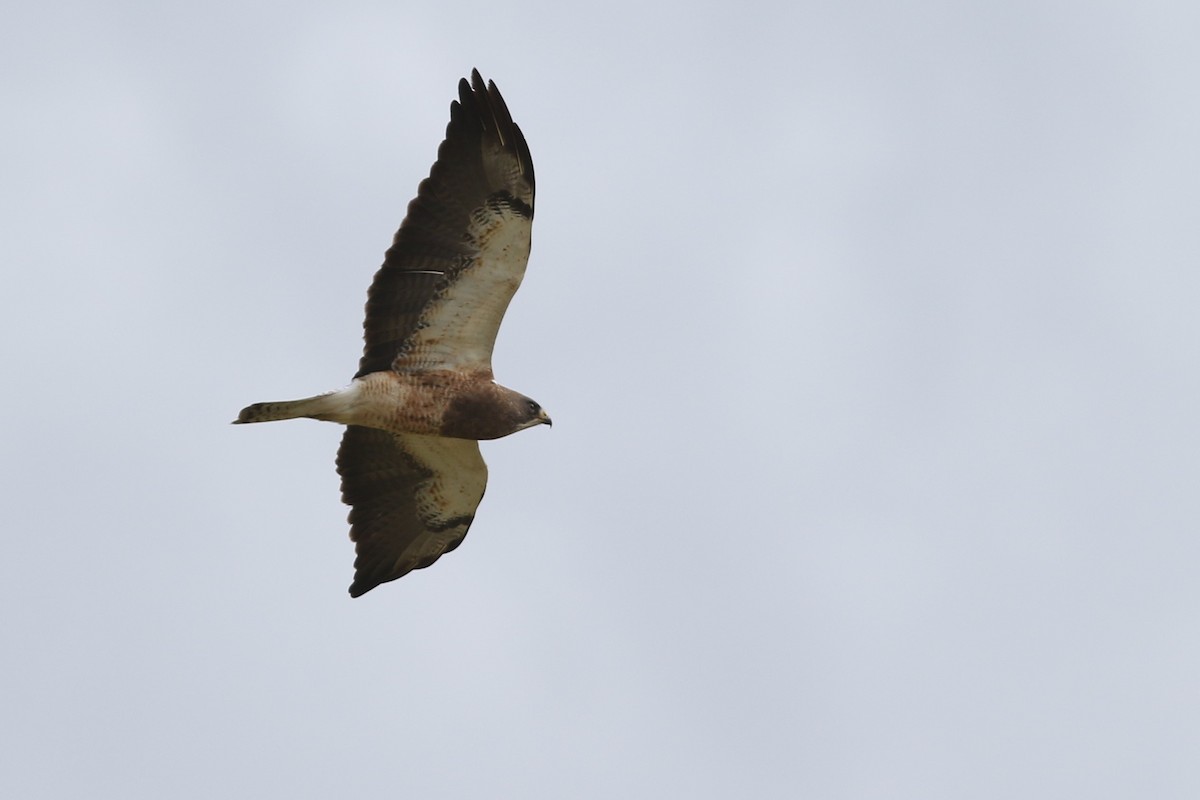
(400, 404)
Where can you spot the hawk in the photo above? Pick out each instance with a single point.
(424, 393)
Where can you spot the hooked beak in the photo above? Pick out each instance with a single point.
(544, 418)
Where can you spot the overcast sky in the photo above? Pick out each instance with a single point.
(870, 335)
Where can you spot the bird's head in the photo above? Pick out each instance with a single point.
(533, 414)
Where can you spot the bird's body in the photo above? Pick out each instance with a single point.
(424, 393)
(436, 403)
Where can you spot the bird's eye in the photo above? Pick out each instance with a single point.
(533, 407)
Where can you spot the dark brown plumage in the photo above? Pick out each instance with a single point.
(423, 395)
(483, 167)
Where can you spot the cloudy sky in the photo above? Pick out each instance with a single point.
(870, 335)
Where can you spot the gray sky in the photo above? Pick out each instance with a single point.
(869, 331)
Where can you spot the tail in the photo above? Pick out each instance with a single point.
(323, 406)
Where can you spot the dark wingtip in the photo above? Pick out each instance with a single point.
(362, 584)
(494, 114)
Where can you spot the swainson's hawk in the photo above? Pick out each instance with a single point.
(424, 395)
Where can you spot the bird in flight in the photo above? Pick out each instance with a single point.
(424, 393)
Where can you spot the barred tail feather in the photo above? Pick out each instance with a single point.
(320, 407)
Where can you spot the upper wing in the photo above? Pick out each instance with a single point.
(413, 499)
(437, 301)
